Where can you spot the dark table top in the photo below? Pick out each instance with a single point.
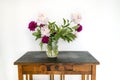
(77, 57)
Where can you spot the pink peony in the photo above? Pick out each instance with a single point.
(45, 39)
(32, 25)
(79, 28)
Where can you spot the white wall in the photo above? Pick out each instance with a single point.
(100, 35)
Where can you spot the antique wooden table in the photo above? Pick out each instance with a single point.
(67, 62)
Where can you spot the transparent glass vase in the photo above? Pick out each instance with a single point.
(52, 49)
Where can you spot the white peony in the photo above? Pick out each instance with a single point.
(42, 19)
(76, 18)
(45, 31)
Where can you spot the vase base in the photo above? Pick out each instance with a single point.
(52, 58)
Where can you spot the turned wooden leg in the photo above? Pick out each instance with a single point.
(63, 76)
(83, 76)
(93, 75)
(26, 76)
(20, 75)
(51, 76)
(31, 77)
(87, 77)
(60, 76)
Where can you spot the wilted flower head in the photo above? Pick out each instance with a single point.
(76, 18)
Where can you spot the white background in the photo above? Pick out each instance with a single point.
(100, 35)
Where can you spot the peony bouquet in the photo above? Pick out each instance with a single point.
(49, 32)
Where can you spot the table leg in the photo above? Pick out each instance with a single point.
(83, 76)
(20, 75)
(63, 76)
(87, 77)
(93, 75)
(51, 76)
(60, 76)
(26, 76)
(31, 77)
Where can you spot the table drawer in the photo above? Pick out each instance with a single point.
(48, 68)
(34, 68)
(81, 68)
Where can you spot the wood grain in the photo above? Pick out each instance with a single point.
(83, 76)
(93, 75)
(20, 74)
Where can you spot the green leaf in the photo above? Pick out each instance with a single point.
(67, 21)
(37, 34)
(69, 37)
(75, 27)
(53, 27)
(67, 25)
(57, 28)
(63, 31)
(69, 29)
(64, 21)
(57, 36)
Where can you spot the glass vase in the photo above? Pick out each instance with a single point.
(52, 49)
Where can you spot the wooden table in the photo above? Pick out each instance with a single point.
(67, 62)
